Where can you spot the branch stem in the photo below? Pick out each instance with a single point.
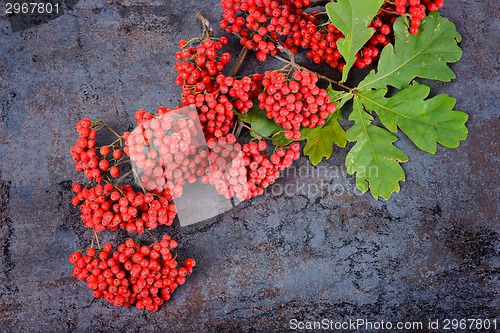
(252, 130)
(135, 238)
(151, 235)
(97, 240)
(239, 62)
(119, 180)
(206, 24)
(321, 76)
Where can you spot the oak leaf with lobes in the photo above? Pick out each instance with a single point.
(425, 122)
(321, 139)
(374, 158)
(424, 55)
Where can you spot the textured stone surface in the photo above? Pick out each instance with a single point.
(429, 252)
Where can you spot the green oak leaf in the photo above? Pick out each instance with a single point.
(425, 55)
(259, 122)
(374, 158)
(425, 122)
(352, 17)
(319, 140)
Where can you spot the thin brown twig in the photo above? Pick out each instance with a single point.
(252, 130)
(239, 62)
(97, 240)
(206, 24)
(152, 236)
(135, 238)
(104, 125)
(239, 124)
(234, 70)
(122, 161)
(139, 180)
(290, 55)
(321, 76)
(119, 180)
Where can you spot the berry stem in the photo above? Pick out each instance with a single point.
(96, 239)
(238, 127)
(122, 162)
(252, 130)
(104, 125)
(239, 62)
(207, 30)
(119, 180)
(135, 238)
(152, 236)
(321, 76)
(140, 184)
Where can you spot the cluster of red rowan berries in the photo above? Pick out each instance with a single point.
(167, 152)
(90, 159)
(245, 171)
(160, 149)
(295, 103)
(109, 207)
(204, 85)
(143, 276)
(263, 25)
(131, 274)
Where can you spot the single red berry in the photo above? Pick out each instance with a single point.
(114, 172)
